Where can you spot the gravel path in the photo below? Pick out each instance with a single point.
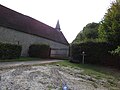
(15, 64)
(47, 77)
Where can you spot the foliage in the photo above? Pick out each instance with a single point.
(96, 52)
(89, 32)
(39, 50)
(109, 28)
(98, 39)
(10, 51)
(116, 51)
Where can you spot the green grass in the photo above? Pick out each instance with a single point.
(98, 72)
(19, 59)
(92, 69)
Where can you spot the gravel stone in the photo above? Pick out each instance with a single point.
(47, 77)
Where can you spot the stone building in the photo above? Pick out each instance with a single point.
(17, 28)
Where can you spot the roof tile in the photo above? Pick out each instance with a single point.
(14, 20)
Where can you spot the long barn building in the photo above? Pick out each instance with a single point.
(17, 28)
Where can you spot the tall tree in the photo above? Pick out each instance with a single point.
(90, 31)
(109, 28)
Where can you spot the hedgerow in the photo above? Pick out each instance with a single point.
(9, 51)
(96, 52)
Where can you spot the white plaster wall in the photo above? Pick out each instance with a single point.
(24, 39)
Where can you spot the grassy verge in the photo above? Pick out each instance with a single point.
(20, 59)
(92, 69)
(98, 72)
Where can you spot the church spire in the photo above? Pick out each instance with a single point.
(58, 26)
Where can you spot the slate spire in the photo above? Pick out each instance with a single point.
(58, 26)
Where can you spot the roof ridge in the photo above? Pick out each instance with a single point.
(23, 23)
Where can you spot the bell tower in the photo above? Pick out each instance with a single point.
(58, 26)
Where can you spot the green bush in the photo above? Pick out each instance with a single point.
(116, 51)
(96, 52)
(39, 50)
(10, 51)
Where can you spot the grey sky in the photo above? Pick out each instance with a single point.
(73, 15)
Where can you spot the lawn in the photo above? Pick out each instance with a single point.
(98, 72)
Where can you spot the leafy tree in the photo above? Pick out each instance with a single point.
(79, 37)
(109, 28)
(89, 32)
(116, 51)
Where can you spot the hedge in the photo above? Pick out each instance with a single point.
(96, 53)
(9, 51)
(39, 51)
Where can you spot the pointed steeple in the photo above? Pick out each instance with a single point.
(58, 26)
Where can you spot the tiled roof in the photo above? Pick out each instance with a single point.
(17, 21)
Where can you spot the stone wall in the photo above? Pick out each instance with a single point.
(24, 39)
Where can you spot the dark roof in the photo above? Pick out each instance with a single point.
(14, 20)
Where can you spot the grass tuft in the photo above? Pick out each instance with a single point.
(98, 72)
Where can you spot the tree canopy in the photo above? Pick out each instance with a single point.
(109, 28)
(90, 31)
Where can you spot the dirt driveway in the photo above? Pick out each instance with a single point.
(47, 77)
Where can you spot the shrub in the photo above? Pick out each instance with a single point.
(116, 51)
(10, 51)
(39, 50)
(96, 52)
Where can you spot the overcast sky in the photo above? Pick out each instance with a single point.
(73, 15)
